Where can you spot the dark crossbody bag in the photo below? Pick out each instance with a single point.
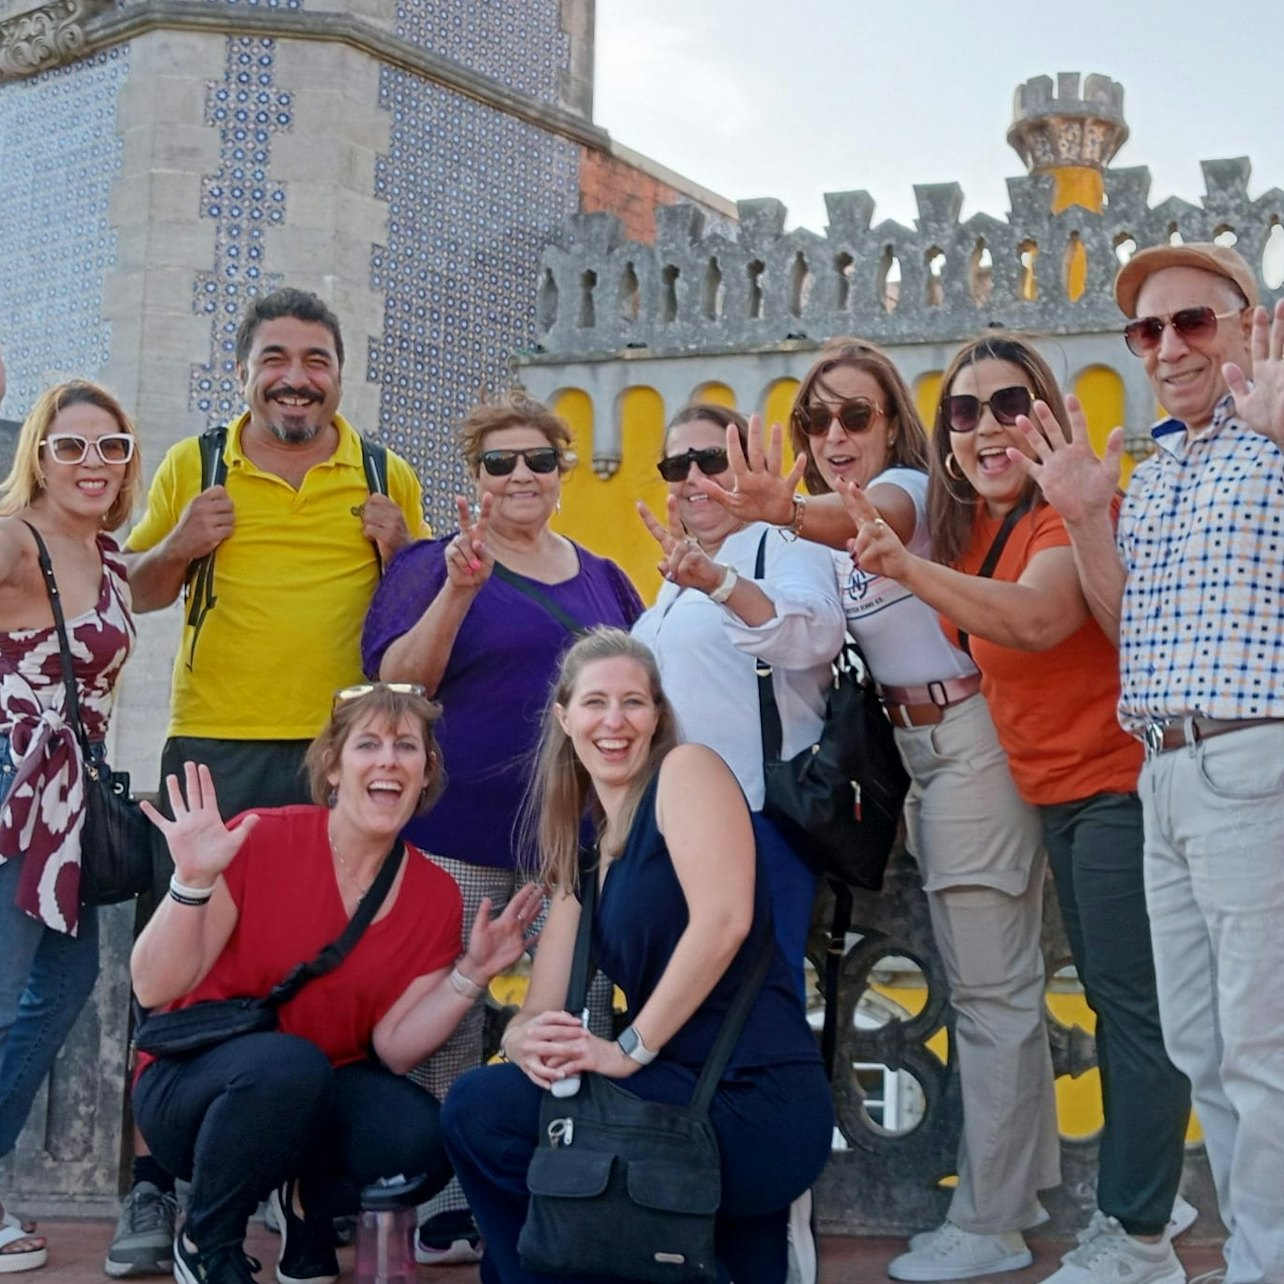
(838, 802)
(203, 1025)
(622, 1187)
(524, 586)
(115, 840)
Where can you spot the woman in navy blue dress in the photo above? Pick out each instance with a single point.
(682, 914)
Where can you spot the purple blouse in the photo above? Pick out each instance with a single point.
(494, 689)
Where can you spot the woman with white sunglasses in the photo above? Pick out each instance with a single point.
(75, 476)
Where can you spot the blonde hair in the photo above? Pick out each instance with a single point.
(561, 791)
(26, 482)
(389, 707)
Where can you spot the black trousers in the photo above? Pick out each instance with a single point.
(243, 1117)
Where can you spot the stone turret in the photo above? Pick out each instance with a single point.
(1067, 129)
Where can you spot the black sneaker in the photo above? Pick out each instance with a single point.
(231, 1265)
(307, 1246)
(449, 1239)
(144, 1238)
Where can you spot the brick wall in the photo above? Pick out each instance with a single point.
(613, 186)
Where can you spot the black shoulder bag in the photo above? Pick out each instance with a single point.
(115, 839)
(623, 1187)
(838, 802)
(992, 556)
(185, 1031)
(524, 586)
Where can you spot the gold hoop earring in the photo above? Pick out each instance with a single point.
(949, 459)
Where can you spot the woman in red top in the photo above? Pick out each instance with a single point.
(1005, 579)
(311, 1112)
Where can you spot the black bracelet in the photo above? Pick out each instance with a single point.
(188, 900)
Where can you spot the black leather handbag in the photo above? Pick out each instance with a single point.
(837, 802)
(116, 838)
(623, 1187)
(185, 1031)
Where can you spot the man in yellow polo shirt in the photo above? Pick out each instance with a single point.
(300, 541)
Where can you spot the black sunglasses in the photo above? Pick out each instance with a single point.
(711, 461)
(963, 411)
(1194, 325)
(856, 414)
(539, 459)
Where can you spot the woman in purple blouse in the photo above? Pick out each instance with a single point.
(481, 619)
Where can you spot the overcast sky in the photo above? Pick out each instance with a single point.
(769, 98)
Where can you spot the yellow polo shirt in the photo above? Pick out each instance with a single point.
(293, 582)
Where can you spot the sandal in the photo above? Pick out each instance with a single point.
(26, 1259)
(26, 1224)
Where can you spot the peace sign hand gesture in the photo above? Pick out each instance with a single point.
(1261, 405)
(759, 491)
(200, 843)
(469, 561)
(877, 549)
(1073, 480)
(685, 563)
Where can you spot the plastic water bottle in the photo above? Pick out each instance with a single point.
(386, 1231)
(569, 1086)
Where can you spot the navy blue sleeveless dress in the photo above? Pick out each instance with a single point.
(772, 1111)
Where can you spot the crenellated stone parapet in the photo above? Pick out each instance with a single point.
(757, 286)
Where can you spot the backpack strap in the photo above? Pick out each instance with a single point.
(199, 587)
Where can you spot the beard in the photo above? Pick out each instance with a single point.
(293, 434)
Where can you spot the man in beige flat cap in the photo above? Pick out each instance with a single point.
(1192, 586)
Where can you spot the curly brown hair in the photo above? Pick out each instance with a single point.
(515, 409)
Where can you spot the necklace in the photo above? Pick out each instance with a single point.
(343, 864)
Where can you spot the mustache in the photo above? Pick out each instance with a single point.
(287, 390)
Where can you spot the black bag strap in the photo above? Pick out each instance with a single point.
(732, 1024)
(573, 626)
(199, 587)
(1014, 515)
(330, 956)
(64, 646)
(839, 926)
(770, 728)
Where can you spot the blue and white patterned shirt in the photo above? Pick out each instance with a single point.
(1201, 535)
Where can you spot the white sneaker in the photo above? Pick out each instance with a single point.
(1107, 1254)
(801, 1242)
(1183, 1218)
(955, 1254)
(925, 1239)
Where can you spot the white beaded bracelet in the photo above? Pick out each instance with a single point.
(465, 988)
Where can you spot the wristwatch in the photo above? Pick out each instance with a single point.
(631, 1045)
(726, 586)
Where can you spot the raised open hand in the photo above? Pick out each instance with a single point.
(877, 549)
(495, 944)
(200, 843)
(1261, 404)
(759, 492)
(469, 561)
(1073, 479)
(684, 563)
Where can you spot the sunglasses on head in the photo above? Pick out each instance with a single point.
(1194, 325)
(72, 448)
(963, 411)
(368, 688)
(711, 461)
(855, 414)
(539, 459)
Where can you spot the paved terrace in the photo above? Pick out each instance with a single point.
(76, 1251)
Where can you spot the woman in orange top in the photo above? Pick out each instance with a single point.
(1005, 582)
